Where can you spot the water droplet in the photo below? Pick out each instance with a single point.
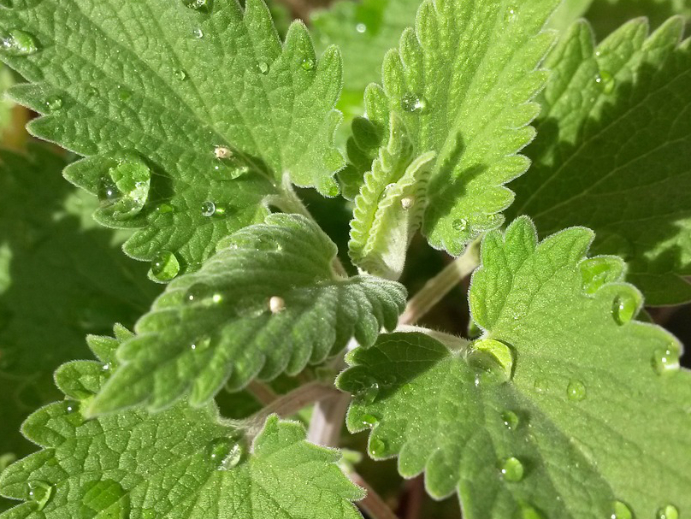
(368, 393)
(208, 208)
(202, 294)
(329, 187)
(198, 33)
(180, 75)
(165, 209)
(665, 361)
(512, 470)
(225, 453)
(105, 367)
(576, 390)
(307, 64)
(541, 385)
(276, 304)
(123, 192)
(263, 67)
(413, 103)
(606, 81)
(511, 14)
(40, 493)
(106, 498)
(361, 28)
(624, 308)
(596, 272)
(369, 420)
(492, 357)
(460, 224)
(407, 202)
(620, 511)
(408, 389)
(164, 267)
(528, 512)
(54, 103)
(18, 43)
(201, 344)
(197, 5)
(108, 192)
(510, 420)
(377, 447)
(668, 512)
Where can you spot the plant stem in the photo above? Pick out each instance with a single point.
(373, 504)
(289, 404)
(440, 285)
(262, 392)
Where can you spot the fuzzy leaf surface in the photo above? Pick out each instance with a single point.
(169, 88)
(61, 277)
(268, 302)
(584, 410)
(613, 151)
(463, 82)
(182, 463)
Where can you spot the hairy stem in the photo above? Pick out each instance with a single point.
(440, 285)
(289, 404)
(373, 504)
(262, 392)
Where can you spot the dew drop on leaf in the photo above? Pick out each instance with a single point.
(198, 33)
(164, 267)
(18, 43)
(40, 493)
(126, 188)
(263, 67)
(460, 224)
(225, 453)
(541, 385)
(377, 447)
(512, 470)
(165, 209)
(576, 390)
(202, 294)
(510, 420)
(307, 64)
(665, 361)
(492, 357)
(668, 512)
(606, 81)
(595, 273)
(233, 458)
(208, 208)
(361, 28)
(413, 103)
(620, 511)
(73, 414)
(369, 420)
(197, 5)
(624, 308)
(201, 344)
(108, 192)
(180, 75)
(105, 498)
(54, 103)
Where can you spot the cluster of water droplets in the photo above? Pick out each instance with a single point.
(606, 81)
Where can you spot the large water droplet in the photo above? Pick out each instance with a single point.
(202, 294)
(225, 453)
(620, 511)
(124, 190)
(369, 420)
(377, 447)
(208, 208)
(18, 43)
(668, 512)
(54, 103)
(413, 103)
(666, 361)
(606, 81)
(198, 5)
(624, 308)
(596, 272)
(576, 390)
(493, 357)
(512, 470)
(40, 493)
(510, 420)
(73, 413)
(106, 498)
(164, 267)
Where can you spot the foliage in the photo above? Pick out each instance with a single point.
(205, 139)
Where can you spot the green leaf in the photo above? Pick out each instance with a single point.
(613, 152)
(462, 82)
(61, 277)
(568, 12)
(608, 15)
(564, 406)
(177, 108)
(268, 302)
(389, 209)
(182, 463)
(364, 31)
